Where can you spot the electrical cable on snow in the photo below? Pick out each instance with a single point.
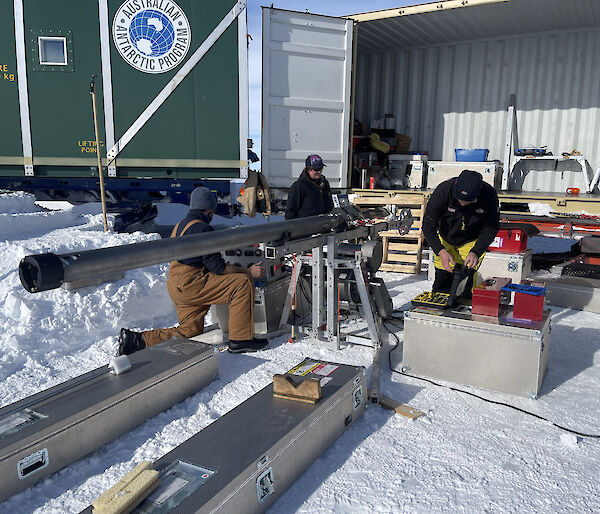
(582, 434)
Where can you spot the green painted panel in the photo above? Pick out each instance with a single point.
(200, 118)
(10, 128)
(11, 171)
(59, 96)
(217, 122)
(198, 121)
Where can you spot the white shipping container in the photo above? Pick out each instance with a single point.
(445, 71)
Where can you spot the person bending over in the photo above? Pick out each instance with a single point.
(461, 220)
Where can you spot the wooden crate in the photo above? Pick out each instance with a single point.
(402, 254)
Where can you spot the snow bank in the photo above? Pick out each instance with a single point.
(33, 224)
(37, 329)
(16, 203)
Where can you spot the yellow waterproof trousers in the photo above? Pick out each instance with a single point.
(459, 254)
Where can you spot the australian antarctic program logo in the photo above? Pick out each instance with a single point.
(153, 36)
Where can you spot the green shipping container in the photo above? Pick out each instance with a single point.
(171, 88)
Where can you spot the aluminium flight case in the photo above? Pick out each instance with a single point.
(577, 293)
(501, 354)
(269, 301)
(439, 171)
(516, 266)
(245, 460)
(45, 432)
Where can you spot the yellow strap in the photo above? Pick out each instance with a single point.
(174, 232)
(193, 222)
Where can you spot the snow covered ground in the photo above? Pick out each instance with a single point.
(466, 455)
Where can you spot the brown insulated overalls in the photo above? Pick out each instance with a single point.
(193, 290)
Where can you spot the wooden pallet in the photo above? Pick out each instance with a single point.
(400, 253)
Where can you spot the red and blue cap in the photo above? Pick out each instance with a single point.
(315, 162)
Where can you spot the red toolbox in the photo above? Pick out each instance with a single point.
(530, 304)
(509, 240)
(488, 296)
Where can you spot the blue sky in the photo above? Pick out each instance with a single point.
(328, 7)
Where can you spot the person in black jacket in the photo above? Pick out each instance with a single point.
(310, 195)
(196, 283)
(461, 220)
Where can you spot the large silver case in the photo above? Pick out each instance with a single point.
(250, 456)
(268, 305)
(510, 357)
(398, 167)
(516, 266)
(439, 171)
(578, 293)
(269, 300)
(45, 432)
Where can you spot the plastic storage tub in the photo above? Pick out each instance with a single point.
(509, 240)
(472, 155)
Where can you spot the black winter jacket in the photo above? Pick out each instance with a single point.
(458, 225)
(213, 262)
(308, 198)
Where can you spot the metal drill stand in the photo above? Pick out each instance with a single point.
(328, 256)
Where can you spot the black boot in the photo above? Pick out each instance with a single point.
(130, 342)
(253, 345)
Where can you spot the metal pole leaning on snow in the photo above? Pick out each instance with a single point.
(100, 173)
(46, 271)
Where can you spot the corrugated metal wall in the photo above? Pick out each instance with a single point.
(456, 95)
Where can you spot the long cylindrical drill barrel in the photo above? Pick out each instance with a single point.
(48, 271)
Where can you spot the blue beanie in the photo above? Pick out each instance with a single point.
(202, 199)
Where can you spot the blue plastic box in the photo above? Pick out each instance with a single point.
(472, 155)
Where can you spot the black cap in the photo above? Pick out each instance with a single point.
(468, 185)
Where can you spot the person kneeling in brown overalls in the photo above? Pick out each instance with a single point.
(197, 283)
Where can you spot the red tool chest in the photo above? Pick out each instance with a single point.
(488, 296)
(509, 240)
(529, 306)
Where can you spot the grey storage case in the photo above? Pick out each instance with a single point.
(578, 293)
(516, 266)
(500, 354)
(43, 433)
(439, 171)
(245, 460)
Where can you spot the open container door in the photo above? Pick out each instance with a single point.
(306, 84)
